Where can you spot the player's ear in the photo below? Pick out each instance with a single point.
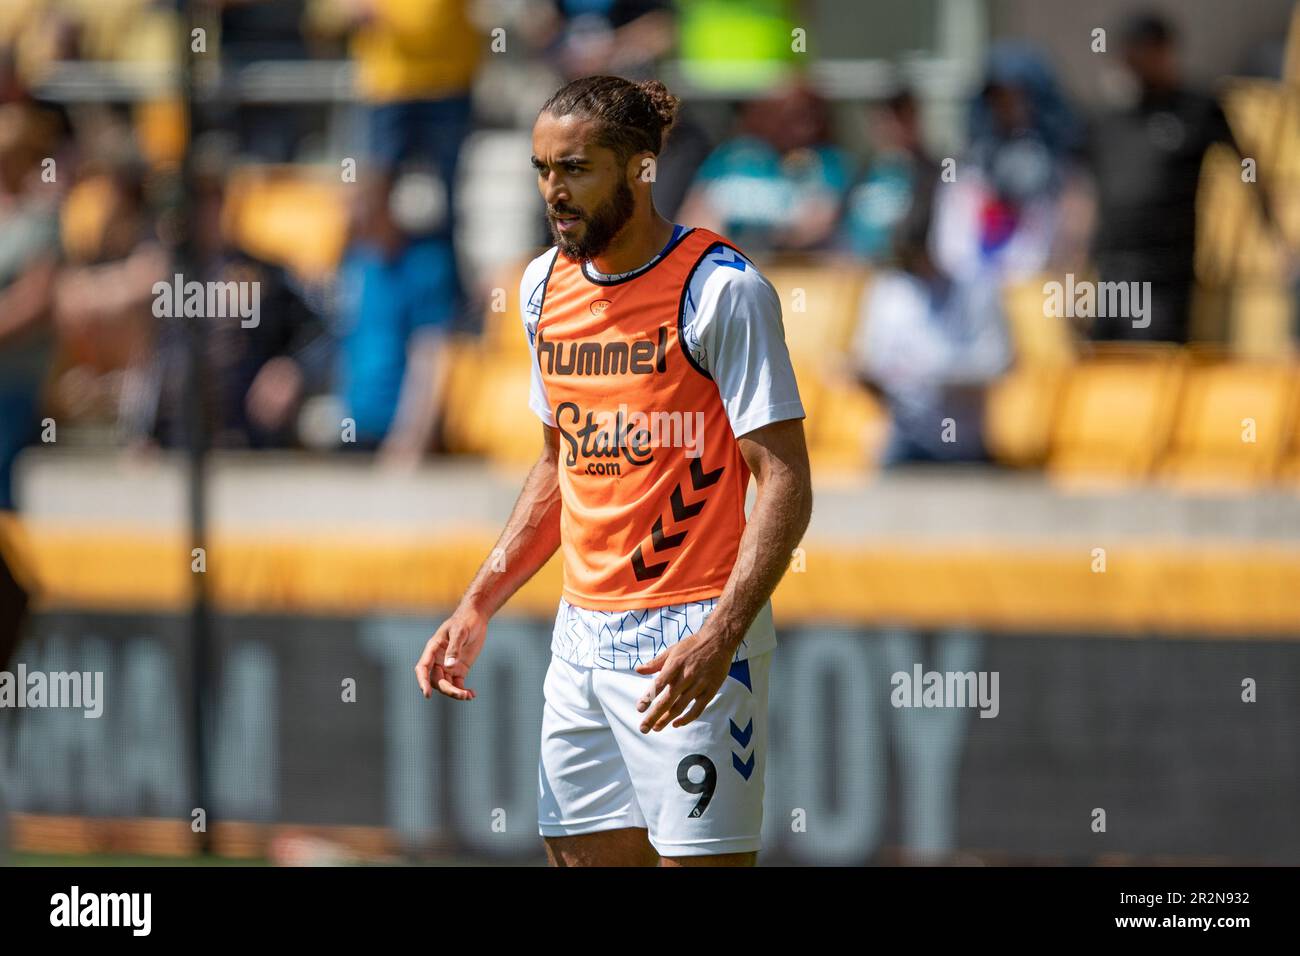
(641, 167)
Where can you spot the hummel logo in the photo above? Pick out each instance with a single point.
(743, 767)
(735, 262)
(640, 357)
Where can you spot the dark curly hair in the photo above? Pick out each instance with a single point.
(630, 117)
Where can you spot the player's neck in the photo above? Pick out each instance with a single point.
(639, 241)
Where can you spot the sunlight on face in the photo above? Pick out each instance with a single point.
(588, 200)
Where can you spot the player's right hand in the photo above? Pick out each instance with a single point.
(450, 653)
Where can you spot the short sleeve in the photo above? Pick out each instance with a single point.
(732, 325)
(531, 290)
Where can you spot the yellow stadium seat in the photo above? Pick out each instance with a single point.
(1232, 425)
(1263, 117)
(1036, 338)
(1019, 412)
(460, 399)
(1286, 140)
(1291, 64)
(810, 377)
(1239, 255)
(288, 216)
(819, 305)
(1289, 470)
(510, 431)
(1252, 107)
(1286, 201)
(1259, 253)
(502, 319)
(848, 431)
(1260, 318)
(1223, 214)
(1115, 416)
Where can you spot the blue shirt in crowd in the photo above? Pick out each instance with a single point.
(382, 303)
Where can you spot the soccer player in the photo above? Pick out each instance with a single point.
(661, 374)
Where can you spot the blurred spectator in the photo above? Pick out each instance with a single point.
(393, 310)
(256, 30)
(778, 185)
(253, 30)
(899, 169)
(41, 32)
(1002, 214)
(598, 37)
(256, 376)
(29, 254)
(103, 294)
(1147, 160)
(930, 346)
(627, 38)
(416, 61)
(11, 85)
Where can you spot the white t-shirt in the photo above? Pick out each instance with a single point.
(731, 323)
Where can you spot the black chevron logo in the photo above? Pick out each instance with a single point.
(701, 478)
(681, 510)
(644, 573)
(662, 540)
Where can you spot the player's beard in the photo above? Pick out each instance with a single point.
(599, 228)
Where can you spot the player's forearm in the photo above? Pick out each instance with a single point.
(780, 516)
(531, 536)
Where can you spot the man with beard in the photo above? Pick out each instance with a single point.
(654, 732)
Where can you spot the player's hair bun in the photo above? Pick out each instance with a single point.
(664, 104)
(632, 117)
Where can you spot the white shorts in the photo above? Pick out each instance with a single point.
(697, 789)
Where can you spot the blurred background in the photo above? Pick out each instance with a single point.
(251, 529)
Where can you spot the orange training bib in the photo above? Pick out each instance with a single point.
(651, 476)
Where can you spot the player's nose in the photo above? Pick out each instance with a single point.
(554, 191)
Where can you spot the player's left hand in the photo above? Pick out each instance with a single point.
(691, 670)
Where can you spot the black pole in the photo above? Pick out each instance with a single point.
(197, 439)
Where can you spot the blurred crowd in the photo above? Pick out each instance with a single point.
(94, 203)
